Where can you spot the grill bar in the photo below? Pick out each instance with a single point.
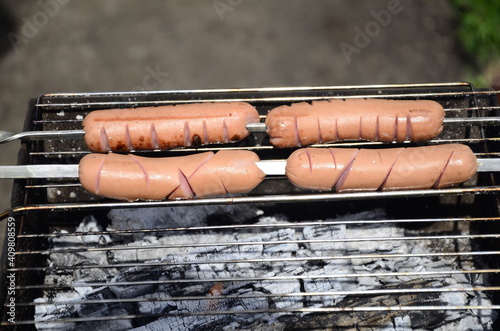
(268, 311)
(357, 144)
(266, 89)
(256, 226)
(274, 295)
(261, 260)
(69, 249)
(272, 278)
(269, 167)
(262, 199)
(268, 99)
(252, 127)
(262, 117)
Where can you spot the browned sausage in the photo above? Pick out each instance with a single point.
(303, 124)
(130, 177)
(352, 169)
(166, 127)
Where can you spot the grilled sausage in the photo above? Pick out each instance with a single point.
(381, 169)
(303, 124)
(166, 127)
(130, 177)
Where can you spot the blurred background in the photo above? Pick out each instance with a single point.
(119, 45)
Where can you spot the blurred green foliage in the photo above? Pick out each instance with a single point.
(479, 28)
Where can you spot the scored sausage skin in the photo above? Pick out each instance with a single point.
(130, 177)
(166, 127)
(353, 169)
(302, 124)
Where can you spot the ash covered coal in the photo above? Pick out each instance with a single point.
(262, 278)
(179, 217)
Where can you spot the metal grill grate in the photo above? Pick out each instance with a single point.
(310, 271)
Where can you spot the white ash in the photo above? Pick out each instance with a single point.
(177, 267)
(174, 217)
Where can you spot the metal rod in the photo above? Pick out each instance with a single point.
(262, 311)
(73, 249)
(269, 167)
(259, 260)
(356, 143)
(432, 95)
(470, 121)
(255, 226)
(274, 295)
(100, 283)
(252, 127)
(259, 89)
(448, 110)
(40, 135)
(261, 199)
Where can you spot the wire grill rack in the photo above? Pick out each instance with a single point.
(457, 225)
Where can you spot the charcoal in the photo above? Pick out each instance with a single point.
(113, 325)
(332, 263)
(174, 217)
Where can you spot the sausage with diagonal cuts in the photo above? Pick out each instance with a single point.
(166, 127)
(350, 169)
(302, 124)
(130, 177)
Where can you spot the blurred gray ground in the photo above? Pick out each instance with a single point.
(113, 45)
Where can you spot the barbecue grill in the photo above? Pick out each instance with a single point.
(277, 258)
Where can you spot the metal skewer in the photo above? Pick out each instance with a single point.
(269, 167)
(6, 136)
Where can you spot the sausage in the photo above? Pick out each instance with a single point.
(352, 169)
(130, 177)
(166, 127)
(302, 124)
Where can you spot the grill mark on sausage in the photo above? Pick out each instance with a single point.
(409, 131)
(309, 159)
(438, 180)
(154, 137)
(345, 172)
(223, 186)
(320, 135)
(205, 132)
(225, 134)
(128, 139)
(382, 187)
(99, 170)
(360, 127)
(296, 132)
(336, 130)
(379, 156)
(377, 128)
(144, 171)
(104, 141)
(187, 135)
(396, 129)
